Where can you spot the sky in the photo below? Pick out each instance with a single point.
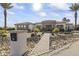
(36, 12)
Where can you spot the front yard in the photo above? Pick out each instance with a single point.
(55, 42)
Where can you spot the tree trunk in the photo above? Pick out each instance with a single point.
(75, 20)
(5, 19)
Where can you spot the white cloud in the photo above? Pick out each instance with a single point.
(10, 12)
(61, 6)
(70, 16)
(55, 14)
(43, 14)
(37, 6)
(20, 7)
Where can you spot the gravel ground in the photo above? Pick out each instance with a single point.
(4, 48)
(59, 41)
(31, 45)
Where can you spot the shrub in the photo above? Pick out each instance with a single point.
(36, 30)
(55, 30)
(38, 35)
(10, 28)
(4, 33)
(1, 28)
(32, 35)
(38, 26)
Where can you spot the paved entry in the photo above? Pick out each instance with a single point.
(42, 46)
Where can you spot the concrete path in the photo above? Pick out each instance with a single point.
(42, 46)
(72, 51)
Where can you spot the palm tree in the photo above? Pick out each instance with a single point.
(66, 20)
(75, 8)
(5, 6)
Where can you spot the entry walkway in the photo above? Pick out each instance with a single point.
(42, 46)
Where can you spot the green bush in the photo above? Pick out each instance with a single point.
(4, 33)
(38, 26)
(36, 30)
(55, 30)
(1, 28)
(11, 28)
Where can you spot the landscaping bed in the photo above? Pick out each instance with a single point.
(59, 41)
(4, 46)
(32, 41)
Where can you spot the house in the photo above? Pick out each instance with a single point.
(24, 26)
(46, 25)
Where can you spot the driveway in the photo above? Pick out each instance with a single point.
(72, 51)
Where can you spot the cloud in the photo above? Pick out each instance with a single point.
(55, 14)
(37, 6)
(70, 16)
(61, 6)
(10, 12)
(20, 7)
(43, 14)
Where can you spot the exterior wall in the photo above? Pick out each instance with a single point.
(60, 26)
(21, 27)
(30, 27)
(43, 25)
(66, 25)
(63, 24)
(19, 47)
(15, 27)
(48, 25)
(70, 26)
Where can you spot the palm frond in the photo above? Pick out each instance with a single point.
(74, 7)
(6, 5)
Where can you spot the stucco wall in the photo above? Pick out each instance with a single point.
(17, 48)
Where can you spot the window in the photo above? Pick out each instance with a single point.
(24, 26)
(21, 26)
(18, 26)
